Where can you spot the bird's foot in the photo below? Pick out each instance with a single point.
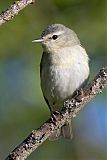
(79, 94)
(53, 116)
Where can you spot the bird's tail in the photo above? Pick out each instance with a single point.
(65, 131)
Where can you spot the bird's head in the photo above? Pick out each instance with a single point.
(57, 36)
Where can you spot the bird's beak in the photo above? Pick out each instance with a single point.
(39, 40)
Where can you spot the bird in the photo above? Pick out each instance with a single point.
(64, 68)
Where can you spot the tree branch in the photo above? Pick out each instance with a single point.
(13, 10)
(70, 108)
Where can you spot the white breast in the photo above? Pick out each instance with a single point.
(63, 72)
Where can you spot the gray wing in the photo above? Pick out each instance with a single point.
(41, 66)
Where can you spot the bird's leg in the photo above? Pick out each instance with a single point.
(79, 94)
(53, 114)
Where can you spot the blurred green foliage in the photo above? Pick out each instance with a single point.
(22, 107)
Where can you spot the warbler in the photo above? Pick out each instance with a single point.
(64, 68)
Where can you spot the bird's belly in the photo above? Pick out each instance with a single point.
(60, 83)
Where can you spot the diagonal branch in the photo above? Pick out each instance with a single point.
(13, 10)
(70, 108)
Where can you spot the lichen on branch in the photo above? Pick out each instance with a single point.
(13, 10)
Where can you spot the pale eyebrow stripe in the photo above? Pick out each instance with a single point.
(59, 32)
(56, 33)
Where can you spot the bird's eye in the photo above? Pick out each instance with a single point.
(54, 37)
